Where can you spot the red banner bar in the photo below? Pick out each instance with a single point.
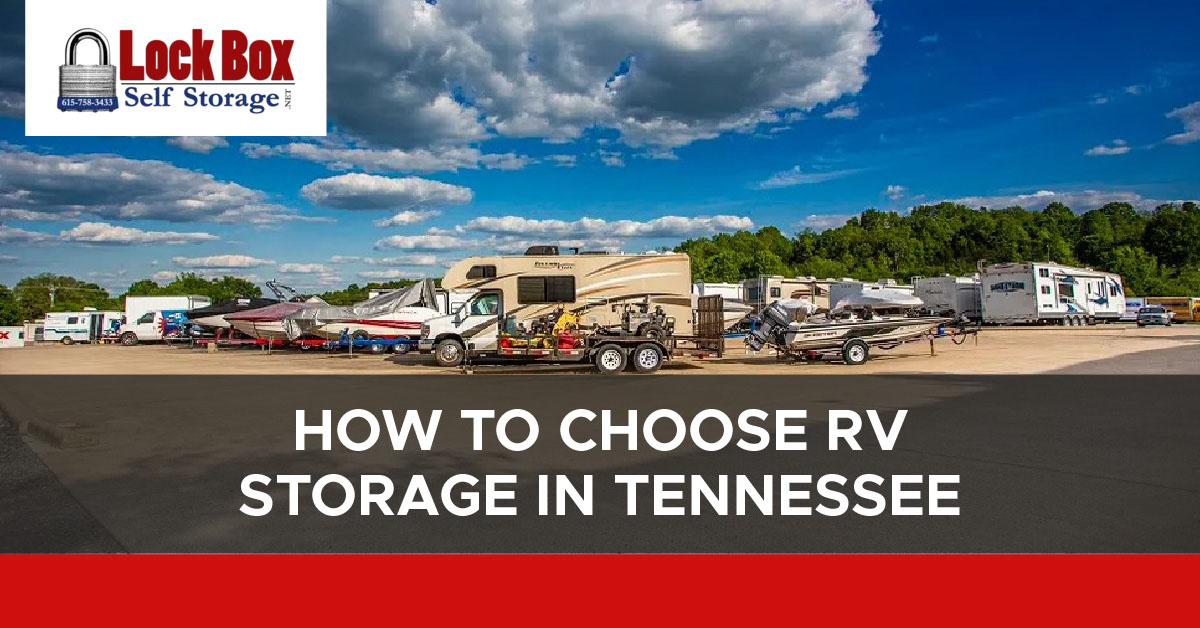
(600, 589)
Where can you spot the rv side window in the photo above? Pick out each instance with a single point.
(1043, 272)
(71, 320)
(776, 293)
(1045, 289)
(545, 290)
(1112, 291)
(148, 317)
(1066, 290)
(482, 272)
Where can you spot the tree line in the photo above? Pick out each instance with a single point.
(1157, 252)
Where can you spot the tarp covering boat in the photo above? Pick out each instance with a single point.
(230, 306)
(273, 312)
(304, 321)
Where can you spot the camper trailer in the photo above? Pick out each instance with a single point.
(613, 309)
(152, 318)
(846, 288)
(12, 337)
(1045, 292)
(86, 326)
(766, 289)
(947, 295)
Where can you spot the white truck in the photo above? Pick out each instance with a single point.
(152, 318)
(88, 325)
(948, 295)
(1046, 292)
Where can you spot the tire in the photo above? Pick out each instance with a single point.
(855, 352)
(646, 358)
(449, 352)
(401, 348)
(129, 339)
(376, 348)
(610, 359)
(67, 341)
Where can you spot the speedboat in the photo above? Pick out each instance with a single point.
(396, 314)
(212, 317)
(267, 322)
(876, 318)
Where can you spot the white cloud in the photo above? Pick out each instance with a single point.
(198, 143)
(845, 112)
(164, 276)
(221, 261)
(304, 268)
(895, 192)
(1079, 200)
(425, 242)
(611, 158)
(11, 235)
(389, 274)
(345, 259)
(1118, 147)
(8, 259)
(929, 39)
(1134, 90)
(365, 191)
(105, 233)
(438, 159)
(117, 188)
(821, 222)
(404, 260)
(407, 217)
(660, 72)
(565, 161)
(796, 176)
(666, 226)
(1190, 117)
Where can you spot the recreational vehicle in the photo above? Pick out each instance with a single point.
(848, 288)
(1045, 292)
(950, 296)
(613, 309)
(86, 326)
(152, 318)
(766, 289)
(1183, 309)
(12, 337)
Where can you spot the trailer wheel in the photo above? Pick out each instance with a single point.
(610, 360)
(129, 339)
(67, 340)
(401, 348)
(647, 358)
(855, 352)
(449, 352)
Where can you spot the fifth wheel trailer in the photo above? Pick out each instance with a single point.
(950, 296)
(1046, 292)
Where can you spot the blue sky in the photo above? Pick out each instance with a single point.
(793, 121)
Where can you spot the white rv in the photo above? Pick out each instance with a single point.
(86, 326)
(950, 296)
(1045, 292)
(615, 309)
(766, 289)
(151, 318)
(735, 291)
(847, 288)
(12, 337)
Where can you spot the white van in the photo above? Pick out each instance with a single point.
(149, 318)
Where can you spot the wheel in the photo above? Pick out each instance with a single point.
(647, 358)
(610, 360)
(449, 352)
(376, 348)
(651, 330)
(855, 352)
(129, 339)
(402, 347)
(67, 340)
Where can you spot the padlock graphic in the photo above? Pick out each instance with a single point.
(87, 87)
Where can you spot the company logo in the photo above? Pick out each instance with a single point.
(1008, 286)
(223, 67)
(3, 335)
(555, 265)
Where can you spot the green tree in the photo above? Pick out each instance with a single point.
(10, 310)
(1173, 235)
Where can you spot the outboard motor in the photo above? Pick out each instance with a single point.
(774, 317)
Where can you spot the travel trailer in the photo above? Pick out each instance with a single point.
(86, 326)
(733, 300)
(1132, 305)
(846, 288)
(1182, 309)
(957, 297)
(12, 337)
(613, 309)
(1045, 292)
(766, 289)
(152, 318)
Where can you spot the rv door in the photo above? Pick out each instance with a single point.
(479, 320)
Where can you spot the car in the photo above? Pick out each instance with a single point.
(1153, 315)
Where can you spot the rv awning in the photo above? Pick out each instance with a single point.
(301, 322)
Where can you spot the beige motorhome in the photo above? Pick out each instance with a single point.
(766, 289)
(594, 287)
